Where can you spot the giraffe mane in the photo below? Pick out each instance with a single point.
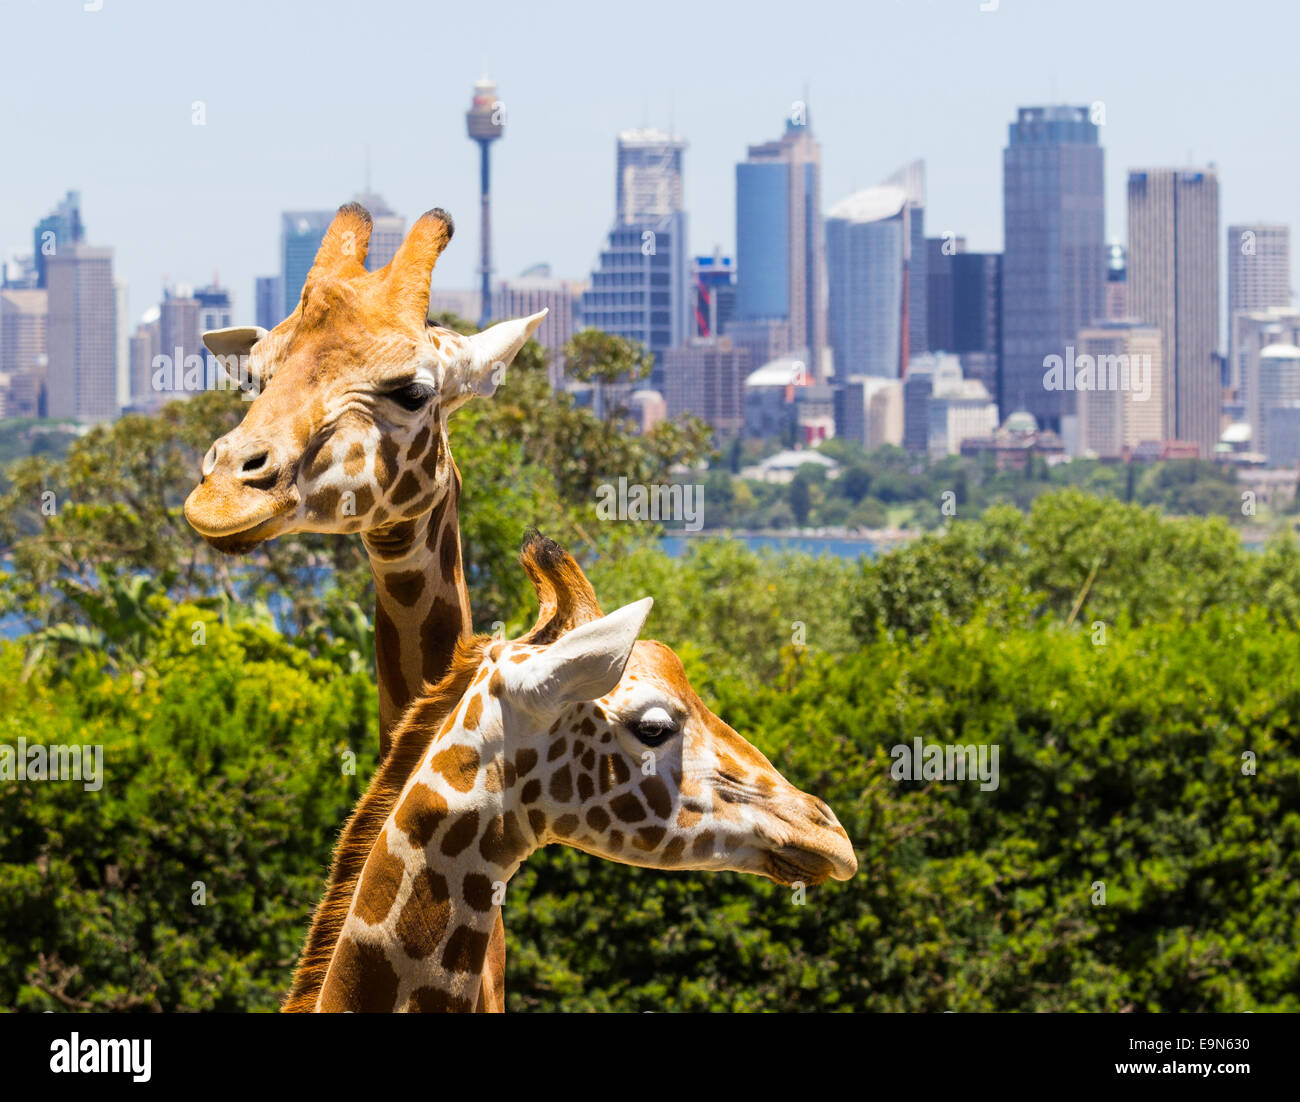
(565, 598)
(412, 738)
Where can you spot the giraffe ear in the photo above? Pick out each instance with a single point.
(583, 664)
(481, 370)
(231, 348)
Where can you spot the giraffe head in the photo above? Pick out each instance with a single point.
(612, 752)
(346, 431)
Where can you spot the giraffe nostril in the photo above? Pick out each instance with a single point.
(254, 462)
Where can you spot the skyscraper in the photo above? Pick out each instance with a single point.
(713, 280)
(1259, 275)
(911, 178)
(1054, 260)
(268, 296)
(868, 236)
(1115, 419)
(180, 339)
(61, 227)
(648, 180)
(780, 247)
(1173, 284)
(486, 122)
(706, 377)
(639, 290)
(301, 233)
(81, 378)
(23, 319)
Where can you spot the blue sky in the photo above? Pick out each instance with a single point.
(295, 92)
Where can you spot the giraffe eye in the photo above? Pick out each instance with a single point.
(412, 396)
(653, 727)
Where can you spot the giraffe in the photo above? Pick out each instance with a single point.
(576, 733)
(347, 432)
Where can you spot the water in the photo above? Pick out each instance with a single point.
(837, 547)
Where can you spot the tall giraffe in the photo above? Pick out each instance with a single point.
(348, 433)
(577, 733)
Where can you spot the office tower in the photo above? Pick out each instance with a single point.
(939, 252)
(81, 379)
(301, 233)
(1252, 332)
(648, 181)
(911, 178)
(867, 241)
(180, 338)
(639, 291)
(387, 230)
(122, 350)
(63, 226)
(1259, 266)
(977, 316)
(1279, 391)
(1054, 259)
(713, 282)
(268, 301)
(464, 305)
(706, 377)
(780, 247)
(215, 308)
(869, 411)
(146, 343)
(24, 313)
(1116, 282)
(1122, 404)
(955, 409)
(532, 291)
(1259, 275)
(1173, 283)
(485, 122)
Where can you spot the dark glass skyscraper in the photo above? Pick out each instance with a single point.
(1054, 260)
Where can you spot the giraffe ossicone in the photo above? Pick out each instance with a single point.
(542, 740)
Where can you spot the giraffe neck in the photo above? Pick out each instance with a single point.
(426, 904)
(421, 604)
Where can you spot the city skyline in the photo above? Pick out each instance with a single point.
(211, 194)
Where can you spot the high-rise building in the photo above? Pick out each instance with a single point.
(867, 241)
(81, 379)
(301, 233)
(1253, 331)
(939, 252)
(706, 377)
(1116, 282)
(1122, 404)
(911, 178)
(485, 121)
(1173, 284)
(215, 308)
(713, 279)
(639, 289)
(780, 247)
(24, 315)
(1259, 274)
(1054, 260)
(122, 351)
(648, 181)
(62, 226)
(180, 339)
(532, 291)
(146, 343)
(268, 301)
(1279, 390)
